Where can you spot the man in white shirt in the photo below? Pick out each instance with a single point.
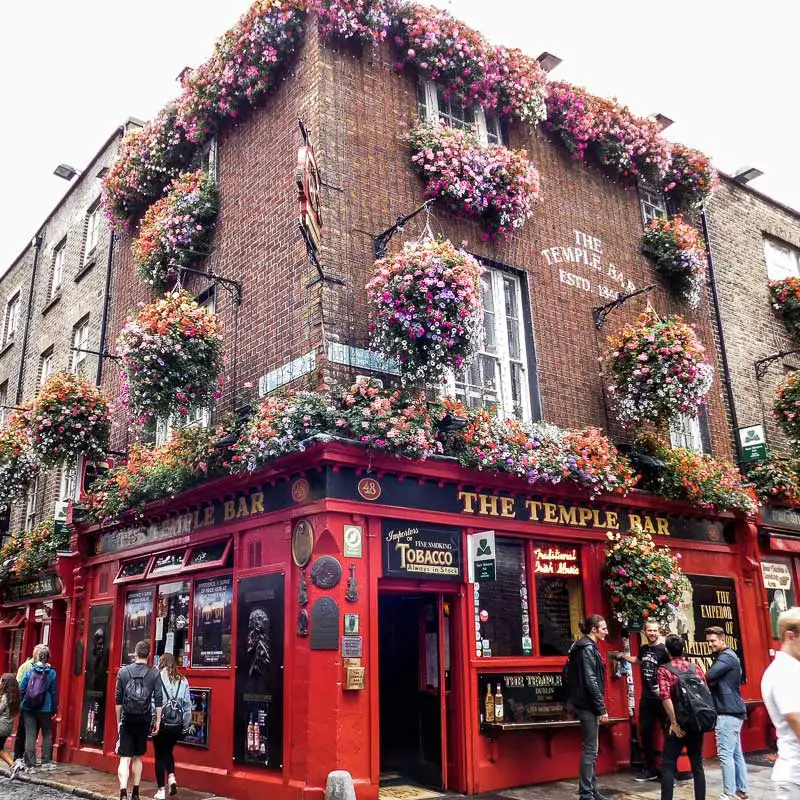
(780, 689)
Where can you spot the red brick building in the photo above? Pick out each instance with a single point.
(215, 563)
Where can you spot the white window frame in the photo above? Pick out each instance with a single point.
(199, 417)
(686, 433)
(210, 157)
(503, 396)
(59, 260)
(13, 308)
(80, 341)
(46, 365)
(32, 504)
(70, 483)
(487, 125)
(93, 222)
(783, 259)
(4, 411)
(652, 203)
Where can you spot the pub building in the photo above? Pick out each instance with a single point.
(325, 618)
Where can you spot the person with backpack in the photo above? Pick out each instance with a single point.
(725, 679)
(39, 705)
(19, 739)
(176, 716)
(10, 700)
(690, 714)
(586, 691)
(138, 691)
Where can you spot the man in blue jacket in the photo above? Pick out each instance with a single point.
(39, 705)
(725, 680)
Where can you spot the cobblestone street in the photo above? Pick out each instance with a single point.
(16, 790)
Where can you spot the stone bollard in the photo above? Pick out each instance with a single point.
(340, 786)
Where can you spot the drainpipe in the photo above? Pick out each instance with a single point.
(36, 243)
(106, 302)
(726, 372)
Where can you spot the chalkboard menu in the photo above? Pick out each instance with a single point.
(527, 696)
(552, 609)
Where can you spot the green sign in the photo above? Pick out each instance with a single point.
(482, 559)
(485, 571)
(753, 443)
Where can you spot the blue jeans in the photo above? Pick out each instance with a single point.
(731, 758)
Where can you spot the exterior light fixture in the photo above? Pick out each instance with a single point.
(548, 61)
(744, 175)
(65, 171)
(663, 121)
(182, 74)
(102, 172)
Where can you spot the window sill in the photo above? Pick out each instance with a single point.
(85, 268)
(52, 302)
(8, 345)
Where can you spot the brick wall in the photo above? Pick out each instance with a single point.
(55, 313)
(738, 221)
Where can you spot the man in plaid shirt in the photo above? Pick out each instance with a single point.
(676, 738)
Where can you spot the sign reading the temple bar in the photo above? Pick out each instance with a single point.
(411, 550)
(44, 586)
(526, 697)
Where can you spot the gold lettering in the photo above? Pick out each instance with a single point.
(487, 504)
(566, 516)
(230, 510)
(550, 512)
(634, 520)
(662, 525)
(612, 521)
(257, 503)
(507, 507)
(468, 498)
(208, 517)
(533, 507)
(242, 510)
(648, 524)
(584, 515)
(596, 518)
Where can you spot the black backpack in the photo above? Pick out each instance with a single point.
(171, 711)
(694, 706)
(137, 697)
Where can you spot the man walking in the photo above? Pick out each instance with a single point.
(780, 689)
(39, 706)
(651, 711)
(690, 712)
(586, 689)
(138, 689)
(725, 679)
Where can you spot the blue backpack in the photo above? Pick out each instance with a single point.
(36, 690)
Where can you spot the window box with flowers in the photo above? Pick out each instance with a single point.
(786, 302)
(776, 480)
(690, 178)
(657, 370)
(28, 553)
(677, 252)
(428, 309)
(176, 230)
(491, 183)
(18, 465)
(365, 20)
(68, 418)
(171, 354)
(786, 408)
(644, 582)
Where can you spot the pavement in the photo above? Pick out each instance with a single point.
(69, 780)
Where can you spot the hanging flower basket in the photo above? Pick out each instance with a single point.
(677, 252)
(488, 182)
(428, 308)
(68, 418)
(786, 302)
(644, 582)
(18, 466)
(786, 408)
(657, 370)
(690, 179)
(606, 132)
(177, 229)
(365, 20)
(171, 354)
(776, 480)
(28, 553)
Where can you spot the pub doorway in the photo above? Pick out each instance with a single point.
(418, 695)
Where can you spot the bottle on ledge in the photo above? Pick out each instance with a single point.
(489, 705)
(498, 705)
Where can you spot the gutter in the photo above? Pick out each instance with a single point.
(726, 372)
(37, 246)
(106, 302)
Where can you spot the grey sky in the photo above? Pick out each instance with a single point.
(70, 72)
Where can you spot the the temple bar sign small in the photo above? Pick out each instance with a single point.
(753, 443)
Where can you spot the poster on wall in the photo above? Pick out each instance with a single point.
(197, 736)
(710, 601)
(780, 592)
(213, 622)
(94, 694)
(137, 621)
(258, 717)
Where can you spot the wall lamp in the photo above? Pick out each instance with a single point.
(65, 171)
(547, 61)
(744, 175)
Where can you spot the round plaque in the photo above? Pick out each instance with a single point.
(302, 543)
(326, 572)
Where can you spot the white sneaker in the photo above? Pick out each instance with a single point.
(160, 795)
(17, 767)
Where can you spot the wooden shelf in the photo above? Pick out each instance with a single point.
(545, 726)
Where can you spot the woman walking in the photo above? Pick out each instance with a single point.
(176, 716)
(39, 706)
(10, 700)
